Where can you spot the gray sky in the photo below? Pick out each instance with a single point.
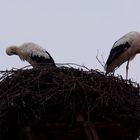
(70, 30)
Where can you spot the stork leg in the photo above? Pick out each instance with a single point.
(127, 67)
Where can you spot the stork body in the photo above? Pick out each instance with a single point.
(32, 53)
(122, 51)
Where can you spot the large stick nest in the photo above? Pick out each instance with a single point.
(50, 97)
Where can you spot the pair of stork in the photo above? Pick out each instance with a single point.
(122, 51)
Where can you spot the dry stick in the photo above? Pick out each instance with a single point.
(91, 131)
(103, 59)
(82, 66)
(22, 67)
(14, 69)
(101, 63)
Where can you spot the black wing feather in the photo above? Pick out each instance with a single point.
(42, 60)
(115, 52)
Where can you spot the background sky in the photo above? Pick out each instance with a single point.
(72, 31)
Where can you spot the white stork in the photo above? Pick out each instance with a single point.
(123, 50)
(32, 53)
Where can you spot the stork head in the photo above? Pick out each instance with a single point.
(13, 50)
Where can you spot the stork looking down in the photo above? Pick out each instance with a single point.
(122, 51)
(32, 53)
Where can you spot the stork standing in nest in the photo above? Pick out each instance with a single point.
(32, 53)
(122, 51)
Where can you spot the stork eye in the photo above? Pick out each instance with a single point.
(15, 53)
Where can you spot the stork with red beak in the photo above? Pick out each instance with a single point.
(123, 50)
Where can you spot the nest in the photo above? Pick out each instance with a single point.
(67, 103)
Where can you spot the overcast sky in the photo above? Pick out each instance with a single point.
(70, 30)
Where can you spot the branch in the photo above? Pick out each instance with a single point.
(101, 63)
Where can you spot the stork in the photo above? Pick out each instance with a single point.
(123, 50)
(32, 53)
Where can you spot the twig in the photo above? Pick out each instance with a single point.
(91, 131)
(101, 63)
(82, 66)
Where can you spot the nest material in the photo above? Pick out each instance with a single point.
(67, 103)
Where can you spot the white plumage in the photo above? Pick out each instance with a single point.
(129, 37)
(34, 49)
(123, 50)
(32, 53)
